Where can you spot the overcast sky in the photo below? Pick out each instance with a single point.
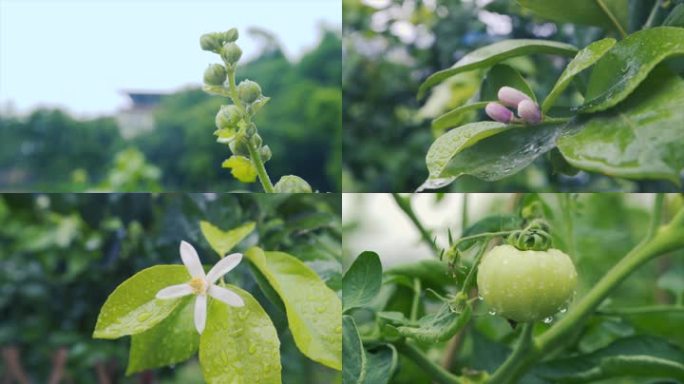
(79, 54)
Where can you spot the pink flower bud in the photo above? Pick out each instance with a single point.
(511, 97)
(529, 111)
(499, 113)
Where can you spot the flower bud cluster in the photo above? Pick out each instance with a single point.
(528, 111)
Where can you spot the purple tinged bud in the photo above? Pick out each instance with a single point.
(499, 113)
(529, 112)
(511, 97)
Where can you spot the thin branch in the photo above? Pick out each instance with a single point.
(405, 205)
(612, 18)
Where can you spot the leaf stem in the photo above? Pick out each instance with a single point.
(652, 15)
(416, 299)
(438, 374)
(612, 18)
(405, 205)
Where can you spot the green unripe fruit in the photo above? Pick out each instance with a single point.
(239, 148)
(526, 286)
(227, 117)
(215, 74)
(248, 91)
(265, 153)
(231, 53)
(231, 35)
(210, 42)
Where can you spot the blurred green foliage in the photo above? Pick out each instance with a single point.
(62, 254)
(302, 124)
(391, 47)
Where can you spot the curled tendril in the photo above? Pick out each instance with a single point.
(532, 238)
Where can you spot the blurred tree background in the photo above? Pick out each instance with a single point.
(62, 254)
(391, 46)
(51, 151)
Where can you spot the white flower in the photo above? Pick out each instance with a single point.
(202, 284)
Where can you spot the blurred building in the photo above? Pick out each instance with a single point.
(138, 116)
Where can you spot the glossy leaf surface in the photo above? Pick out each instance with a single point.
(601, 13)
(224, 241)
(362, 281)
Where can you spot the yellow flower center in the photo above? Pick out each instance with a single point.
(199, 286)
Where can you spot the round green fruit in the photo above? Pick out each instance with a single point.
(526, 286)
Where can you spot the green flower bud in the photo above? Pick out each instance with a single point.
(231, 35)
(215, 74)
(248, 91)
(265, 153)
(231, 53)
(292, 184)
(239, 148)
(256, 140)
(227, 117)
(210, 42)
(251, 130)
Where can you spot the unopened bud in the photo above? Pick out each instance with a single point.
(231, 53)
(215, 74)
(499, 113)
(248, 91)
(265, 153)
(511, 97)
(529, 111)
(231, 35)
(239, 148)
(210, 42)
(251, 130)
(227, 117)
(256, 140)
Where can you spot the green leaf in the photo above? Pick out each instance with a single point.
(584, 59)
(587, 12)
(239, 345)
(502, 75)
(433, 274)
(313, 310)
(487, 150)
(676, 17)
(643, 356)
(438, 327)
(640, 138)
(624, 67)
(224, 241)
(354, 355)
(362, 281)
(495, 53)
(455, 116)
(381, 362)
(132, 308)
(172, 341)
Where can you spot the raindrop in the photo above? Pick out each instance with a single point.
(479, 297)
(548, 320)
(563, 310)
(492, 312)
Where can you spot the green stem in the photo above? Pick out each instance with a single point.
(479, 235)
(416, 299)
(437, 373)
(259, 165)
(464, 212)
(405, 205)
(509, 371)
(657, 216)
(612, 18)
(469, 281)
(666, 239)
(652, 15)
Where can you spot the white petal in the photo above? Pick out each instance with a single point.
(227, 296)
(191, 260)
(224, 266)
(174, 291)
(200, 313)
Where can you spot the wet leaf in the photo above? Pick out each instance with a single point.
(239, 345)
(640, 138)
(584, 59)
(455, 116)
(313, 310)
(495, 53)
(623, 68)
(353, 353)
(587, 12)
(224, 241)
(381, 362)
(437, 327)
(172, 341)
(132, 308)
(502, 75)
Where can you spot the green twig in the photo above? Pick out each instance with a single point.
(405, 205)
(437, 373)
(416, 299)
(255, 156)
(653, 14)
(612, 18)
